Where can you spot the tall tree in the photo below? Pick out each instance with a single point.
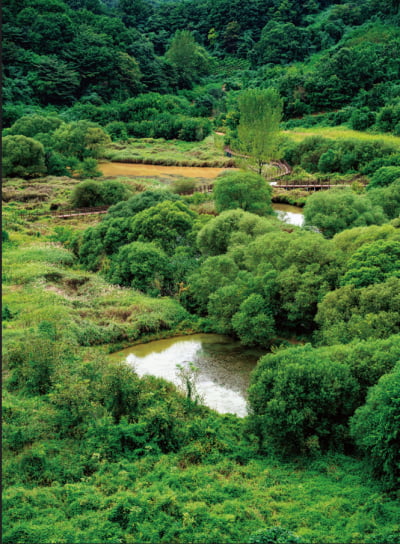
(258, 130)
(189, 58)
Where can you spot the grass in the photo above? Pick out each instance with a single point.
(340, 133)
(42, 283)
(209, 152)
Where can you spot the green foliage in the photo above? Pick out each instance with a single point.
(189, 59)
(301, 402)
(81, 139)
(142, 266)
(336, 210)
(215, 272)
(231, 226)
(368, 312)
(373, 263)
(254, 323)
(168, 223)
(244, 190)
(388, 198)
(384, 176)
(90, 194)
(375, 427)
(362, 118)
(350, 240)
(316, 153)
(88, 168)
(258, 129)
(274, 535)
(115, 229)
(31, 125)
(22, 157)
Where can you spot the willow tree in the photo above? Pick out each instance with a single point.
(258, 130)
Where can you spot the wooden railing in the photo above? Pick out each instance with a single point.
(69, 213)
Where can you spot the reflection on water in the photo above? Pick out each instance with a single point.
(224, 366)
(132, 169)
(289, 214)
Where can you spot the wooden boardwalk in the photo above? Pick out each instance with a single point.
(64, 214)
(310, 186)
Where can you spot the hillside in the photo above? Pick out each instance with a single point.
(213, 100)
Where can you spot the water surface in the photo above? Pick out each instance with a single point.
(289, 214)
(224, 366)
(133, 169)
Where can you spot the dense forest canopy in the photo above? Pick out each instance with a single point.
(94, 453)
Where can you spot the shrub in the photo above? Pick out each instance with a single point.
(274, 535)
(376, 430)
(23, 157)
(244, 190)
(91, 193)
(384, 177)
(30, 125)
(362, 119)
(142, 266)
(301, 401)
(335, 210)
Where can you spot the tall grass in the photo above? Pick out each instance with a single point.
(341, 133)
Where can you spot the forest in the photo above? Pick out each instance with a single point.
(266, 101)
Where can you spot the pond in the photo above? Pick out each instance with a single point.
(133, 169)
(224, 366)
(289, 214)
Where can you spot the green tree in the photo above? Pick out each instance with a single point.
(258, 130)
(30, 125)
(231, 226)
(384, 176)
(214, 273)
(301, 401)
(119, 389)
(254, 323)
(91, 193)
(81, 139)
(335, 210)
(376, 430)
(244, 190)
(367, 312)
(23, 157)
(168, 224)
(142, 266)
(189, 58)
(388, 198)
(373, 263)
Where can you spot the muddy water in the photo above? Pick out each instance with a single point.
(224, 366)
(128, 169)
(289, 214)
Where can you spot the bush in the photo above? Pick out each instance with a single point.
(274, 535)
(142, 266)
(362, 118)
(244, 190)
(301, 401)
(376, 430)
(339, 209)
(384, 177)
(30, 125)
(91, 194)
(388, 198)
(23, 157)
